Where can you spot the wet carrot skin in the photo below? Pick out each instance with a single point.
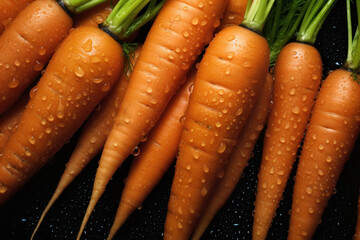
(80, 74)
(229, 78)
(9, 9)
(27, 45)
(234, 13)
(333, 129)
(298, 72)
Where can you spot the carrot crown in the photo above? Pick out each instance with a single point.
(282, 24)
(124, 19)
(316, 13)
(353, 55)
(256, 14)
(78, 6)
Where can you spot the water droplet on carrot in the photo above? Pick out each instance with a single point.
(200, 5)
(203, 191)
(3, 188)
(221, 148)
(79, 72)
(295, 110)
(246, 64)
(227, 70)
(37, 66)
(195, 21)
(206, 169)
(186, 34)
(31, 139)
(13, 83)
(231, 37)
(292, 92)
(95, 59)
(308, 190)
(127, 120)
(105, 87)
(180, 225)
(136, 151)
(184, 66)
(42, 51)
(17, 63)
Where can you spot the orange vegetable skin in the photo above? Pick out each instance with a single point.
(156, 155)
(331, 134)
(229, 79)
(234, 13)
(9, 120)
(298, 72)
(239, 157)
(26, 46)
(9, 9)
(80, 73)
(177, 36)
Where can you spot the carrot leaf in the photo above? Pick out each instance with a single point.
(78, 6)
(124, 20)
(129, 52)
(282, 24)
(316, 13)
(353, 55)
(256, 14)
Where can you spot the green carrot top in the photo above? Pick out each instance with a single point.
(353, 55)
(256, 14)
(282, 24)
(316, 13)
(78, 6)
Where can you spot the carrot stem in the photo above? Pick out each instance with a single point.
(313, 20)
(256, 14)
(123, 20)
(78, 6)
(353, 58)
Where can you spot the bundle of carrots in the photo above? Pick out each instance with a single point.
(206, 88)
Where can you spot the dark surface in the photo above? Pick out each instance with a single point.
(19, 217)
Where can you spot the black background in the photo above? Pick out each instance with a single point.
(19, 216)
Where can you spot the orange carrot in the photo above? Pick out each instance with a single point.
(80, 73)
(157, 155)
(9, 120)
(298, 72)
(177, 36)
(331, 134)
(234, 13)
(9, 10)
(26, 46)
(93, 136)
(239, 157)
(357, 230)
(333, 129)
(229, 79)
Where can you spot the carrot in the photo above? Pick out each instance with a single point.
(156, 155)
(357, 230)
(92, 138)
(298, 72)
(87, 63)
(239, 157)
(9, 10)
(331, 134)
(229, 79)
(176, 38)
(9, 120)
(26, 46)
(234, 13)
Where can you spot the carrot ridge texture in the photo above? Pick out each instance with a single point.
(177, 36)
(331, 134)
(239, 158)
(27, 45)
(79, 75)
(9, 10)
(156, 154)
(229, 78)
(298, 72)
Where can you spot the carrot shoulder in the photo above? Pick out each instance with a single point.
(234, 13)
(239, 157)
(298, 72)
(177, 36)
(227, 84)
(331, 134)
(26, 46)
(80, 73)
(156, 155)
(9, 10)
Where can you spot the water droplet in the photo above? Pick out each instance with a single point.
(308, 190)
(3, 188)
(105, 87)
(231, 37)
(180, 225)
(292, 92)
(246, 64)
(149, 89)
(97, 80)
(227, 70)
(79, 72)
(13, 83)
(95, 59)
(186, 34)
(31, 139)
(17, 63)
(38, 66)
(203, 191)
(136, 151)
(200, 5)
(221, 148)
(127, 120)
(115, 144)
(328, 159)
(230, 55)
(295, 110)
(184, 65)
(42, 51)
(321, 147)
(206, 169)
(195, 21)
